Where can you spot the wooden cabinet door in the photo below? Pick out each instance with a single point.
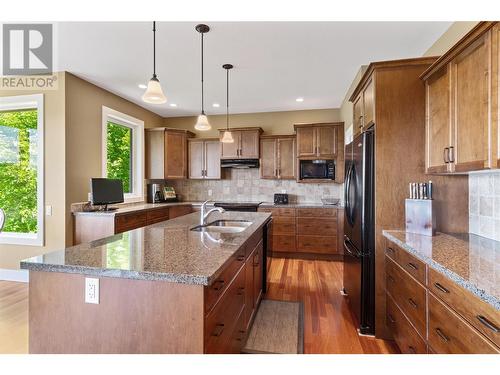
(175, 155)
(326, 141)
(196, 159)
(155, 154)
(268, 165)
(249, 290)
(369, 104)
(357, 115)
(249, 144)
(438, 125)
(286, 158)
(212, 159)
(471, 72)
(257, 274)
(230, 150)
(306, 142)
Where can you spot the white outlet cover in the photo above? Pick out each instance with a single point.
(48, 210)
(92, 290)
(209, 192)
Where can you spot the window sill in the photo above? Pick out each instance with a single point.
(8, 238)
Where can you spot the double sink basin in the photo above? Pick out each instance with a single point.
(224, 226)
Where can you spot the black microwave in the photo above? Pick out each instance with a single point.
(317, 169)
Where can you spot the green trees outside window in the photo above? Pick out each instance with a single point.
(119, 154)
(18, 170)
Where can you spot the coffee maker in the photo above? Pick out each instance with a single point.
(155, 193)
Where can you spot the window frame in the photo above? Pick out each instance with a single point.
(137, 126)
(20, 102)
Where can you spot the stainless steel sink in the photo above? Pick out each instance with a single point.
(224, 226)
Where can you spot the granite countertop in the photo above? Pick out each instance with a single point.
(471, 261)
(135, 207)
(167, 251)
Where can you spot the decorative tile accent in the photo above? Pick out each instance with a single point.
(484, 204)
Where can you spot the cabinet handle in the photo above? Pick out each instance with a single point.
(391, 318)
(241, 291)
(390, 278)
(220, 283)
(488, 324)
(240, 258)
(411, 349)
(241, 332)
(412, 266)
(276, 172)
(446, 155)
(390, 250)
(451, 154)
(441, 288)
(219, 328)
(412, 303)
(442, 335)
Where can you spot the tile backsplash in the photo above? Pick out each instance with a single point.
(484, 204)
(246, 185)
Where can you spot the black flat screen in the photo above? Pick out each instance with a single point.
(106, 190)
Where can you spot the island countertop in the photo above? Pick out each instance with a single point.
(471, 261)
(168, 251)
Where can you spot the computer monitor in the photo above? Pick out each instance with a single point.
(106, 191)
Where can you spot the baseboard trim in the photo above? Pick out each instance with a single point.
(21, 276)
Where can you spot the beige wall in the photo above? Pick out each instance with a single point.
(54, 134)
(454, 33)
(270, 122)
(84, 103)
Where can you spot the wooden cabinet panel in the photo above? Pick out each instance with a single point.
(204, 159)
(357, 115)
(176, 211)
(155, 154)
(448, 333)
(284, 225)
(212, 160)
(306, 142)
(317, 212)
(124, 223)
(326, 141)
(317, 226)
(438, 122)
(196, 159)
(317, 244)
(408, 340)
(408, 294)
(268, 165)
(175, 155)
(369, 104)
(471, 71)
(284, 243)
(238, 336)
(231, 150)
(286, 158)
(249, 144)
(257, 274)
(157, 215)
(249, 307)
(478, 313)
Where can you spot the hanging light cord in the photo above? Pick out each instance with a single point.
(227, 99)
(202, 101)
(154, 49)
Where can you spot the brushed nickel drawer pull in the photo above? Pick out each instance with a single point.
(488, 324)
(240, 258)
(241, 291)
(219, 282)
(442, 335)
(219, 328)
(412, 303)
(391, 318)
(412, 266)
(441, 288)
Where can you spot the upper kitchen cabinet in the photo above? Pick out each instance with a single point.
(462, 104)
(245, 145)
(277, 159)
(166, 153)
(364, 108)
(319, 141)
(204, 158)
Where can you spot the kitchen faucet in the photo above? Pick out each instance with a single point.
(203, 215)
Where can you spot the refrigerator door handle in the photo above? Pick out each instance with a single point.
(347, 244)
(347, 189)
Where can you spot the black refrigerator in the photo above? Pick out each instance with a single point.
(359, 230)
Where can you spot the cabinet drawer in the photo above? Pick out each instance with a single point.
(478, 313)
(221, 322)
(408, 262)
(408, 340)
(279, 211)
(157, 215)
(284, 225)
(177, 211)
(448, 333)
(316, 244)
(408, 294)
(238, 336)
(220, 284)
(124, 223)
(317, 226)
(317, 212)
(284, 243)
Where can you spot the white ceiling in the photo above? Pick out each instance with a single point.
(275, 62)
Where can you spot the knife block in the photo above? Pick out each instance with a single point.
(420, 216)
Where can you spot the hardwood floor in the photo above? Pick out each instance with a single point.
(328, 324)
(13, 317)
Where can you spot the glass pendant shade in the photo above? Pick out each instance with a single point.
(154, 93)
(227, 137)
(202, 123)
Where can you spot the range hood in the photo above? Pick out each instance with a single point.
(239, 163)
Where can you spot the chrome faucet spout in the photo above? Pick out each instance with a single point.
(204, 216)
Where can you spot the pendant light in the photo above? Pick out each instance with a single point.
(228, 136)
(154, 93)
(202, 121)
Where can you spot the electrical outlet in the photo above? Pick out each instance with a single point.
(283, 191)
(91, 290)
(209, 192)
(48, 210)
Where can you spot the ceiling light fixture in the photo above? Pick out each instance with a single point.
(202, 121)
(173, 105)
(142, 86)
(227, 136)
(154, 93)
(300, 100)
(216, 105)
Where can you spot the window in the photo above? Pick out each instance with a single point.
(21, 169)
(123, 151)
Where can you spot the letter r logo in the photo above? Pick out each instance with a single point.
(27, 49)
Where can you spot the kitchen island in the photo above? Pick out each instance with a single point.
(163, 288)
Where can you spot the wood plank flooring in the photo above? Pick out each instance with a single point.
(13, 317)
(329, 325)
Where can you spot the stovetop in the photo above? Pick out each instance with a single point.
(237, 204)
